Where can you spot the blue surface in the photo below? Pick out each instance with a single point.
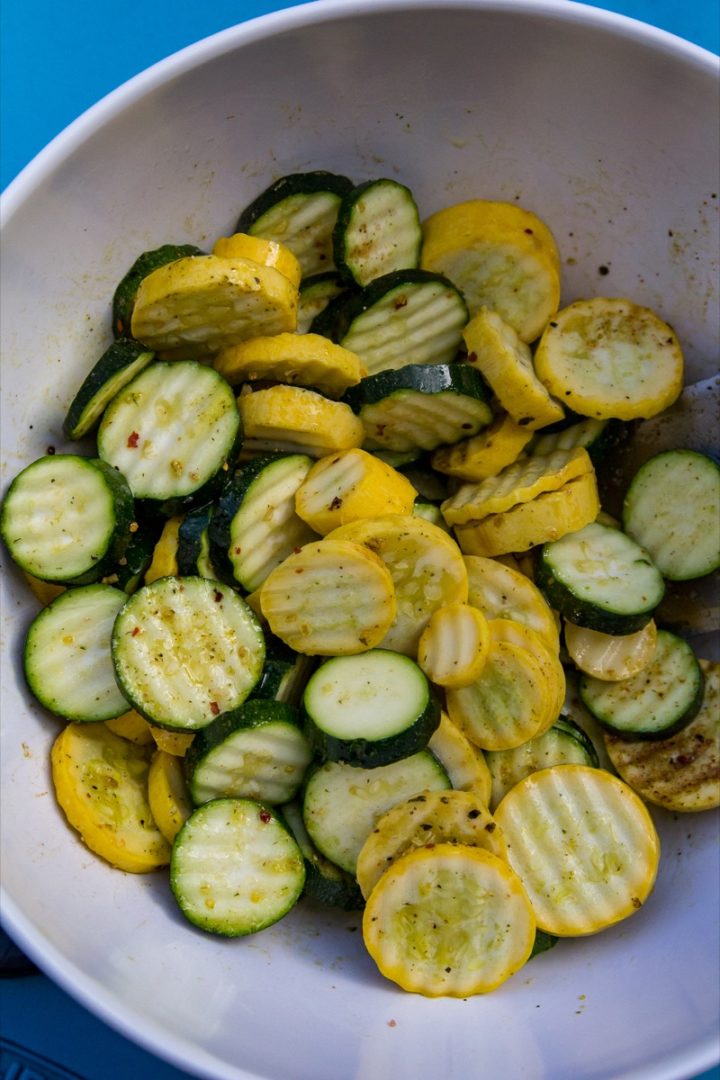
(84, 50)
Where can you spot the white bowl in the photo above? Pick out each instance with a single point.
(607, 129)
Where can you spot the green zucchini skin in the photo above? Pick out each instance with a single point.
(285, 673)
(120, 363)
(325, 882)
(129, 570)
(193, 543)
(357, 303)
(422, 378)
(598, 437)
(126, 291)
(358, 234)
(543, 942)
(661, 700)
(316, 292)
(306, 183)
(329, 322)
(571, 596)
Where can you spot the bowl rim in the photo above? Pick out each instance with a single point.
(92, 995)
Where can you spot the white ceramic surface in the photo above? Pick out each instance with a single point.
(606, 128)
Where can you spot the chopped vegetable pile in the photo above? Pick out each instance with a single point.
(333, 607)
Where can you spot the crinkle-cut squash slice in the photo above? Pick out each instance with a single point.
(485, 454)
(331, 598)
(547, 517)
(195, 306)
(583, 844)
(100, 782)
(449, 920)
(520, 634)
(504, 593)
(349, 485)
(500, 256)
(454, 645)
(168, 795)
(610, 657)
(266, 252)
(464, 762)
(297, 420)
(308, 360)
(610, 358)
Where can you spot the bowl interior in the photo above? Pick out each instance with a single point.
(608, 131)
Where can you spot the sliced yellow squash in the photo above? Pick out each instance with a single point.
(100, 782)
(518, 483)
(508, 704)
(164, 560)
(266, 252)
(545, 518)
(168, 796)
(500, 256)
(427, 570)
(506, 364)
(682, 772)
(172, 742)
(463, 761)
(502, 592)
(583, 844)
(298, 359)
(331, 598)
(485, 454)
(520, 634)
(430, 817)
(610, 657)
(44, 591)
(454, 645)
(611, 358)
(131, 725)
(297, 420)
(449, 920)
(198, 305)
(349, 485)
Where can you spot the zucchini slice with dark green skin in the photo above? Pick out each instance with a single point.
(120, 363)
(193, 547)
(662, 699)
(563, 744)
(234, 894)
(598, 437)
(126, 292)
(299, 211)
(325, 882)
(377, 231)
(67, 519)
(543, 942)
(369, 709)
(256, 751)
(129, 570)
(421, 406)
(405, 317)
(254, 525)
(600, 578)
(672, 508)
(173, 432)
(285, 673)
(314, 295)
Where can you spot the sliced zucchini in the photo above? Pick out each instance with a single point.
(562, 744)
(506, 362)
(254, 525)
(408, 316)
(584, 846)
(256, 751)
(342, 802)
(132, 566)
(610, 657)
(172, 432)
(429, 818)
(598, 437)
(485, 454)
(299, 211)
(426, 568)
(420, 406)
(377, 231)
(228, 893)
(193, 543)
(454, 646)
(196, 306)
(370, 709)
(672, 509)
(316, 292)
(120, 363)
(500, 256)
(600, 578)
(186, 649)
(349, 485)
(610, 358)
(661, 700)
(67, 519)
(285, 673)
(299, 359)
(331, 598)
(101, 785)
(449, 920)
(66, 659)
(293, 419)
(681, 772)
(126, 291)
(430, 511)
(324, 881)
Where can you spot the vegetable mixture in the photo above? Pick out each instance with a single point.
(332, 605)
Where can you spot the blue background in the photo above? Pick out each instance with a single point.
(56, 60)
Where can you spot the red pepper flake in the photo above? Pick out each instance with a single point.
(133, 438)
(296, 550)
(392, 1023)
(214, 708)
(136, 631)
(265, 816)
